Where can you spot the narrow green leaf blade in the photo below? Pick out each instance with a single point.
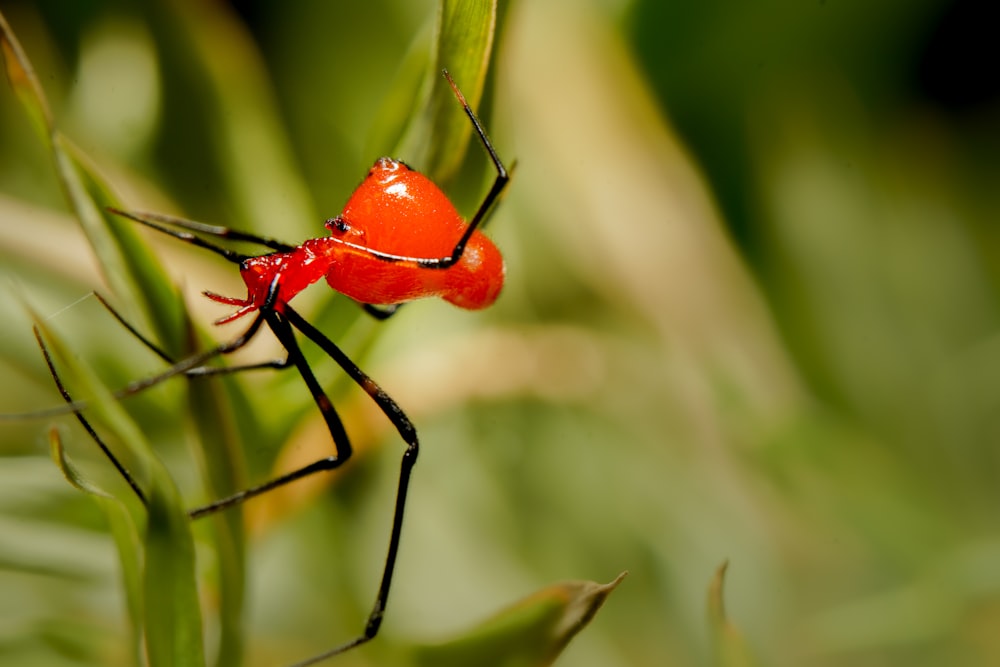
(173, 616)
(224, 470)
(731, 649)
(530, 633)
(438, 135)
(171, 613)
(128, 266)
(134, 272)
(246, 133)
(23, 81)
(123, 530)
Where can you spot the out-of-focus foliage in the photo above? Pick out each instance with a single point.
(750, 316)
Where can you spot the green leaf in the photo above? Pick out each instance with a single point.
(731, 649)
(123, 530)
(437, 136)
(245, 123)
(530, 633)
(171, 616)
(223, 466)
(134, 273)
(22, 79)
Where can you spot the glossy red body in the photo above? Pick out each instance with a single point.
(395, 212)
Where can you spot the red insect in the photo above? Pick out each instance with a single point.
(398, 239)
(394, 207)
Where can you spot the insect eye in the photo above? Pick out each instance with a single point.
(338, 225)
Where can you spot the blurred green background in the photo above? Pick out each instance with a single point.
(751, 314)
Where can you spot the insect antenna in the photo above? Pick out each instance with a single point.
(187, 230)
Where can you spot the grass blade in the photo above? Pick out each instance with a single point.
(124, 531)
(437, 136)
(171, 616)
(133, 272)
(731, 649)
(224, 471)
(530, 633)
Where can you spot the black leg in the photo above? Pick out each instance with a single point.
(194, 362)
(194, 365)
(281, 325)
(382, 313)
(199, 371)
(409, 434)
(179, 368)
(502, 179)
(341, 443)
(122, 470)
(153, 347)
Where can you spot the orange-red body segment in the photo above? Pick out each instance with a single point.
(402, 215)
